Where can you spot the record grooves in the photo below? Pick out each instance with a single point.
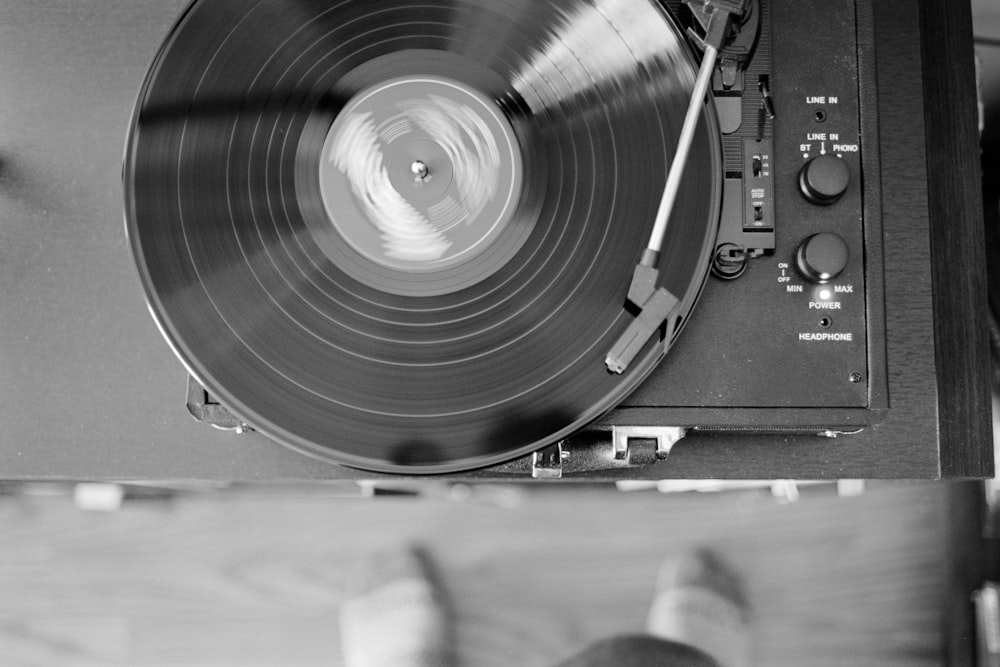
(265, 194)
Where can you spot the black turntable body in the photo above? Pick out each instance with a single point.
(827, 321)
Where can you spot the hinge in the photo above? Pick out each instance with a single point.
(204, 408)
(631, 443)
(548, 463)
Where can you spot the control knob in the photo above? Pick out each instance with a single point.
(822, 257)
(824, 180)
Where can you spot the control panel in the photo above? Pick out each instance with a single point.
(821, 267)
(789, 325)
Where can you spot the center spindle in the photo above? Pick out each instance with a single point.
(420, 170)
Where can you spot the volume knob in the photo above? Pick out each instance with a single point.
(824, 180)
(822, 257)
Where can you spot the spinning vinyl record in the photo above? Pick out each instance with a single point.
(399, 235)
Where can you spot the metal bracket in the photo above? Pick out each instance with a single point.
(628, 447)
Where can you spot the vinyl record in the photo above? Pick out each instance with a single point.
(399, 235)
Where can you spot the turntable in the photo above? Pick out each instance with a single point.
(577, 239)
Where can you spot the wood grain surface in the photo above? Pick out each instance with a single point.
(256, 579)
(959, 259)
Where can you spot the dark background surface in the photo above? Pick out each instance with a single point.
(88, 389)
(986, 30)
(987, 39)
